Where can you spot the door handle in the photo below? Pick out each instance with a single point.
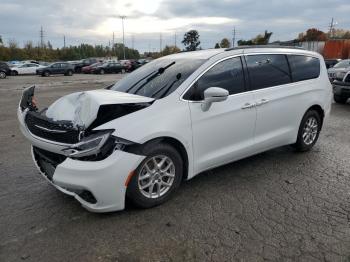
(248, 105)
(262, 102)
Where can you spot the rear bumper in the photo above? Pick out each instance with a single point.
(104, 179)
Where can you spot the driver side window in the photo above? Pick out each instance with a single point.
(227, 74)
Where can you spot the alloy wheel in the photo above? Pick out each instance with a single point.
(2, 75)
(156, 176)
(310, 130)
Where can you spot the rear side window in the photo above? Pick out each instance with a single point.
(227, 74)
(304, 67)
(268, 70)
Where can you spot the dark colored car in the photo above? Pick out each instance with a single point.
(88, 69)
(4, 70)
(341, 87)
(133, 65)
(109, 67)
(85, 62)
(56, 69)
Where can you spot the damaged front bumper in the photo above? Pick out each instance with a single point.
(97, 183)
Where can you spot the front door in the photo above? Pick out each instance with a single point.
(225, 132)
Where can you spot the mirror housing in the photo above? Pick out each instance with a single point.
(212, 95)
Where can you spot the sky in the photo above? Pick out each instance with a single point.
(148, 21)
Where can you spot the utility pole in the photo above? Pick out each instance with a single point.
(175, 39)
(64, 41)
(331, 28)
(234, 36)
(41, 37)
(160, 43)
(123, 17)
(113, 42)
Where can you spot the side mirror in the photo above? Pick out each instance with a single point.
(212, 95)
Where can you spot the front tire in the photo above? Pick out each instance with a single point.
(340, 99)
(309, 131)
(102, 72)
(2, 75)
(46, 73)
(14, 73)
(157, 177)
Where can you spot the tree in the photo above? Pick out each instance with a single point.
(313, 34)
(1, 40)
(258, 40)
(191, 40)
(168, 50)
(217, 45)
(225, 43)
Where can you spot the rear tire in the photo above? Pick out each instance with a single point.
(14, 73)
(46, 73)
(152, 184)
(102, 72)
(309, 131)
(69, 73)
(340, 99)
(2, 75)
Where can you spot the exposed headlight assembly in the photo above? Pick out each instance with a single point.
(98, 146)
(90, 145)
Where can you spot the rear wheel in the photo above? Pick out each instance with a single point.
(2, 75)
(69, 73)
(46, 73)
(157, 177)
(123, 71)
(340, 99)
(102, 72)
(14, 73)
(309, 131)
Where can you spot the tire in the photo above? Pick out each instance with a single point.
(340, 99)
(123, 71)
(2, 75)
(69, 73)
(14, 73)
(309, 131)
(102, 72)
(159, 193)
(46, 73)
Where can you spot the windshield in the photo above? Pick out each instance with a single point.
(158, 78)
(341, 64)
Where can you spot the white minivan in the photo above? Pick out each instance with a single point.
(174, 118)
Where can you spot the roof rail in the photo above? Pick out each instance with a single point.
(264, 46)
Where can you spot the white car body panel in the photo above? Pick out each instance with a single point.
(225, 133)
(25, 69)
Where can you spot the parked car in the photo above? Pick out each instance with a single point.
(174, 118)
(133, 65)
(4, 70)
(109, 67)
(88, 69)
(56, 69)
(342, 66)
(331, 62)
(341, 87)
(85, 62)
(25, 69)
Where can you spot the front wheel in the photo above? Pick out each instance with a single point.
(157, 177)
(102, 72)
(123, 71)
(2, 75)
(309, 131)
(340, 99)
(46, 73)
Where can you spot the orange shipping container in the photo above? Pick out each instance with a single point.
(335, 49)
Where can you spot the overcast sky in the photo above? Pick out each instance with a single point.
(93, 21)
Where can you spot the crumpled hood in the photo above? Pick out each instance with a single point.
(81, 108)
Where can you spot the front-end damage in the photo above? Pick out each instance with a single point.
(73, 155)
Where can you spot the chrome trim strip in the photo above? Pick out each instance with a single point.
(51, 130)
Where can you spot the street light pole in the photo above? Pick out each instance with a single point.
(123, 17)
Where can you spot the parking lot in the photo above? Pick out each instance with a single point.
(275, 206)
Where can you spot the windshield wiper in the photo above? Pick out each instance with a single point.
(178, 77)
(160, 71)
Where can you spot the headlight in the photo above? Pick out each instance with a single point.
(88, 146)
